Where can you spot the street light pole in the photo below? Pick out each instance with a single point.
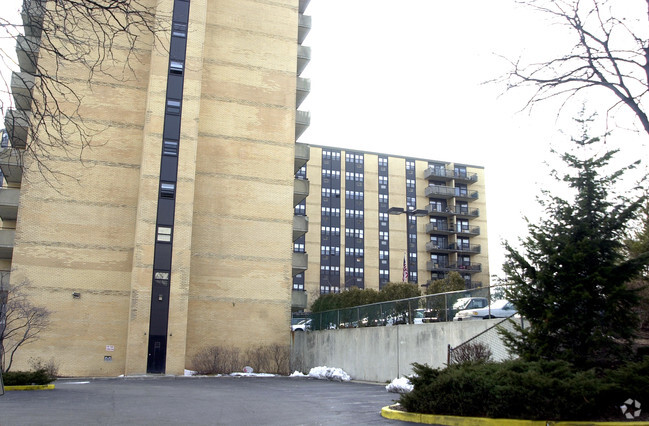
(410, 212)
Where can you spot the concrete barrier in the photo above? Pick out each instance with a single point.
(381, 354)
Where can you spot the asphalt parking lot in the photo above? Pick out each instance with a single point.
(198, 401)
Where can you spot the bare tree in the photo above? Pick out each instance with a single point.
(609, 49)
(98, 37)
(21, 322)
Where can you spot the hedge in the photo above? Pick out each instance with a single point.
(543, 390)
(20, 378)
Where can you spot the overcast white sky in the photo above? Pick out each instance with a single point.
(406, 78)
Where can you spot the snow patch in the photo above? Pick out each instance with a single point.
(400, 385)
(297, 374)
(329, 373)
(252, 375)
(190, 373)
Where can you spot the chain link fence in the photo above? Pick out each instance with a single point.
(417, 310)
(487, 345)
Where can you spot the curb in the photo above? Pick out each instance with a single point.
(29, 387)
(434, 419)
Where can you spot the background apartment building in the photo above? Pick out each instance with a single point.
(356, 240)
(175, 231)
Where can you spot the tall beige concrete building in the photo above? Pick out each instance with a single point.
(174, 230)
(372, 215)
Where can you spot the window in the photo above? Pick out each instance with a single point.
(173, 106)
(164, 234)
(462, 225)
(170, 147)
(411, 201)
(298, 247)
(383, 198)
(383, 235)
(300, 209)
(410, 183)
(161, 277)
(167, 189)
(176, 67)
(383, 161)
(461, 189)
(179, 30)
(410, 165)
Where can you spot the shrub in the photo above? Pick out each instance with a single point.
(21, 378)
(471, 352)
(216, 360)
(541, 390)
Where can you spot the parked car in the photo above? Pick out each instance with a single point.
(498, 309)
(470, 303)
(303, 325)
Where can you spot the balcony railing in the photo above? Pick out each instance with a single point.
(436, 266)
(9, 198)
(466, 195)
(302, 122)
(302, 91)
(300, 190)
(27, 53)
(300, 262)
(303, 27)
(464, 177)
(465, 248)
(463, 211)
(433, 246)
(17, 125)
(467, 230)
(22, 85)
(438, 173)
(440, 191)
(303, 58)
(302, 155)
(440, 227)
(300, 225)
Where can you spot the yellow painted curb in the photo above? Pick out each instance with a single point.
(29, 387)
(434, 419)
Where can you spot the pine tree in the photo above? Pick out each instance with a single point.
(569, 278)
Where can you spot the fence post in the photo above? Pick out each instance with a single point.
(448, 355)
(446, 309)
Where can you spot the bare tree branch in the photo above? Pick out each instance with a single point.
(611, 51)
(21, 322)
(90, 37)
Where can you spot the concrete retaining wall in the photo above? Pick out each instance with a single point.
(381, 354)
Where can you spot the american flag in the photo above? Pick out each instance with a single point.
(405, 269)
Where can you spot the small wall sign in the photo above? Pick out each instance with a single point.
(110, 348)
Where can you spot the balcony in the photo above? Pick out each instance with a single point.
(440, 191)
(439, 228)
(465, 248)
(27, 52)
(303, 27)
(303, 58)
(464, 212)
(7, 243)
(300, 224)
(302, 121)
(438, 173)
(467, 231)
(300, 191)
(303, 5)
(466, 195)
(4, 278)
(11, 164)
(435, 210)
(439, 248)
(9, 198)
(32, 14)
(17, 125)
(22, 85)
(302, 155)
(300, 262)
(303, 90)
(298, 300)
(434, 266)
(464, 177)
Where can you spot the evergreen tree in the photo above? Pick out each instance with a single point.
(452, 282)
(569, 279)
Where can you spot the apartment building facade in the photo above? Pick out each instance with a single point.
(370, 212)
(174, 231)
